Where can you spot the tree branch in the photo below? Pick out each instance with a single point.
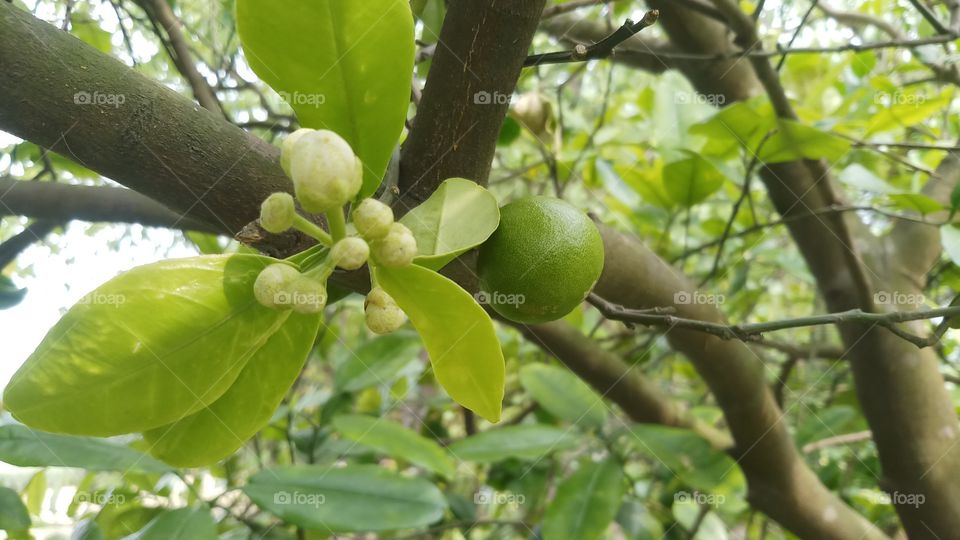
(11, 248)
(601, 49)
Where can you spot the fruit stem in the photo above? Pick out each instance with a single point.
(311, 229)
(338, 224)
(323, 270)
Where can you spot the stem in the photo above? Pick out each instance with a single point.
(337, 223)
(310, 228)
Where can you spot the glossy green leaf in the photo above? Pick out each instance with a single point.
(585, 503)
(563, 394)
(342, 65)
(352, 499)
(24, 447)
(217, 431)
(377, 361)
(145, 349)
(396, 441)
(689, 457)
(691, 180)
(457, 332)
(13, 513)
(522, 442)
(192, 523)
(794, 140)
(458, 216)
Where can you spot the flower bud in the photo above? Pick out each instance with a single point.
(372, 219)
(397, 248)
(383, 315)
(326, 173)
(277, 213)
(270, 288)
(286, 149)
(307, 295)
(350, 253)
(533, 111)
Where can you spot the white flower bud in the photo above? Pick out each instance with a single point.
(397, 248)
(277, 213)
(533, 111)
(383, 315)
(350, 253)
(307, 295)
(270, 288)
(372, 219)
(326, 173)
(286, 149)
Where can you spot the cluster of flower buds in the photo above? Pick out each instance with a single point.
(326, 176)
(281, 286)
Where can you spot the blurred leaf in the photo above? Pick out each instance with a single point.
(794, 140)
(585, 503)
(87, 529)
(638, 523)
(396, 441)
(691, 180)
(24, 447)
(711, 527)
(13, 514)
(509, 131)
(192, 523)
(36, 491)
(563, 394)
(523, 442)
(377, 361)
(860, 177)
(352, 499)
(950, 238)
(917, 202)
(10, 295)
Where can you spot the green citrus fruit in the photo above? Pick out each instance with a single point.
(541, 262)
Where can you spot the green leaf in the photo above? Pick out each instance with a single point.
(342, 65)
(376, 362)
(687, 514)
(87, 529)
(689, 457)
(522, 442)
(458, 216)
(13, 514)
(352, 499)
(192, 523)
(563, 394)
(396, 441)
(10, 295)
(217, 431)
(860, 177)
(741, 125)
(691, 180)
(145, 349)
(950, 238)
(585, 503)
(457, 332)
(917, 202)
(35, 491)
(794, 140)
(24, 447)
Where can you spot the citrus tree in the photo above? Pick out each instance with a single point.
(579, 269)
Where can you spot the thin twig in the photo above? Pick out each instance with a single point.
(601, 49)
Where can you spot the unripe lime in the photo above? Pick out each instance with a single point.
(350, 253)
(541, 262)
(372, 219)
(277, 213)
(397, 248)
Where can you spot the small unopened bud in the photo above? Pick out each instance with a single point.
(277, 213)
(326, 173)
(533, 111)
(397, 248)
(307, 295)
(383, 315)
(286, 149)
(372, 219)
(270, 288)
(350, 253)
